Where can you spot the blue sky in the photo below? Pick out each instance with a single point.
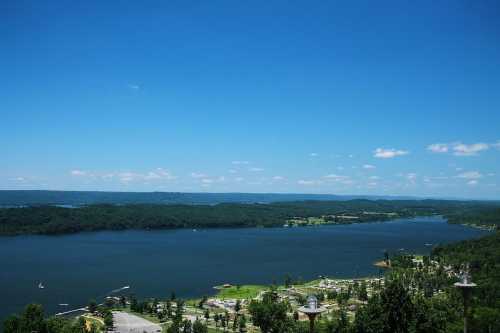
(354, 97)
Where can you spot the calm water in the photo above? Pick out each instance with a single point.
(76, 268)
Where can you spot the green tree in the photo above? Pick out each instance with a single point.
(242, 324)
(133, 304)
(92, 306)
(12, 324)
(32, 319)
(369, 318)
(362, 293)
(108, 319)
(487, 319)
(398, 307)
(169, 309)
(235, 322)
(186, 326)
(269, 314)
(288, 281)
(179, 311)
(202, 302)
(199, 327)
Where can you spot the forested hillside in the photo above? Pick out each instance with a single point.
(60, 220)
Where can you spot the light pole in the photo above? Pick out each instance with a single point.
(465, 286)
(312, 310)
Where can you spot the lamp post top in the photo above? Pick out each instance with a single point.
(465, 279)
(312, 306)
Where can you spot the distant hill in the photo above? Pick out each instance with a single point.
(78, 198)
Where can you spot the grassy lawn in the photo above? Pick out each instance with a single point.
(241, 292)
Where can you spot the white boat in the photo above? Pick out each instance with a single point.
(63, 304)
(41, 286)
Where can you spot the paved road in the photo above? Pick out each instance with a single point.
(128, 323)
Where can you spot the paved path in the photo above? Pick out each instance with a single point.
(128, 323)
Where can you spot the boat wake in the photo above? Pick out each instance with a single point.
(119, 289)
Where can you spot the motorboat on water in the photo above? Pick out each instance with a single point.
(41, 286)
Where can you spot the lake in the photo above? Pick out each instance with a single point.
(79, 267)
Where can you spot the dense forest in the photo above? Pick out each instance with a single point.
(61, 220)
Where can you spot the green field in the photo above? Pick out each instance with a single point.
(241, 292)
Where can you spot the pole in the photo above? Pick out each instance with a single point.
(466, 305)
(311, 322)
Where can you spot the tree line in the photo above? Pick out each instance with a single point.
(53, 220)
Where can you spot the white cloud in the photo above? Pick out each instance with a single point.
(240, 162)
(470, 175)
(472, 182)
(278, 178)
(346, 180)
(308, 182)
(78, 173)
(233, 171)
(374, 177)
(197, 175)
(438, 147)
(256, 169)
(313, 155)
(411, 177)
(388, 153)
(134, 86)
(461, 149)
(156, 174)
(369, 166)
(220, 179)
(164, 174)
(126, 177)
(335, 177)
(107, 176)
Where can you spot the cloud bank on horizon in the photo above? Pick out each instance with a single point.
(242, 176)
(230, 97)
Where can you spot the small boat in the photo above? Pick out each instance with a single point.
(428, 244)
(41, 286)
(63, 304)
